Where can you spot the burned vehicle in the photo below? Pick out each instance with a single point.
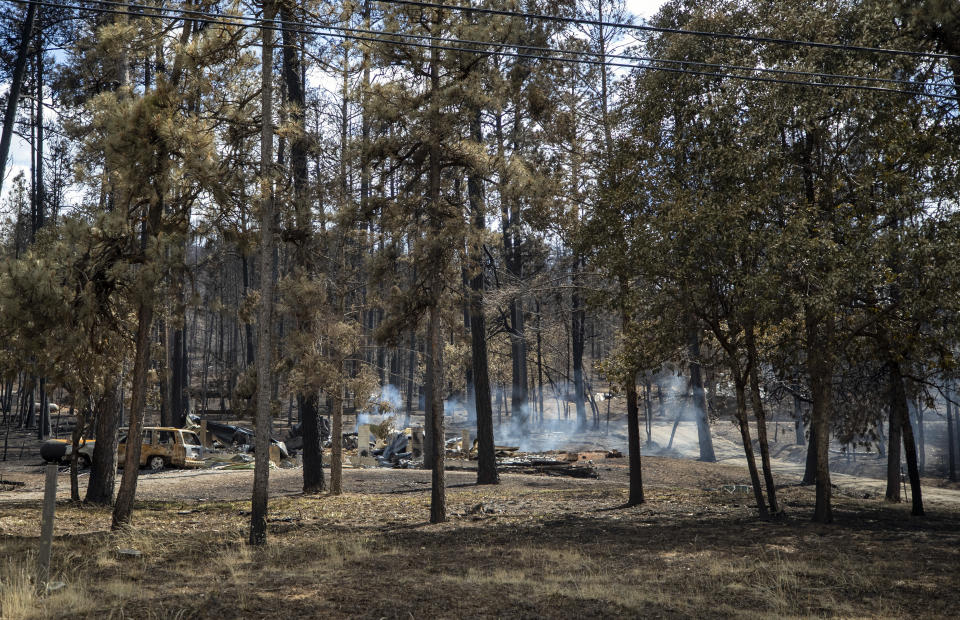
(59, 451)
(162, 446)
(240, 437)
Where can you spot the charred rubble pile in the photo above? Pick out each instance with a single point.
(388, 447)
(384, 445)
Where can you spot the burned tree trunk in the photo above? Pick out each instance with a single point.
(486, 458)
(123, 508)
(261, 472)
(913, 470)
(336, 442)
(810, 464)
(951, 443)
(633, 443)
(899, 410)
(313, 480)
(179, 375)
(894, 441)
(103, 469)
(742, 421)
(819, 335)
(633, 414)
(13, 95)
(438, 507)
(760, 415)
(578, 318)
(700, 408)
(308, 403)
(798, 421)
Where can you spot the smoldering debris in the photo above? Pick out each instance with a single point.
(536, 464)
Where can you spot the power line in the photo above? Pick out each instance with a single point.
(680, 31)
(347, 33)
(537, 49)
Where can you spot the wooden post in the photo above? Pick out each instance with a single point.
(363, 440)
(46, 528)
(204, 437)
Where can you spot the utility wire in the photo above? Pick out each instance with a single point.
(542, 49)
(347, 33)
(648, 28)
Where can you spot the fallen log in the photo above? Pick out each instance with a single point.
(549, 467)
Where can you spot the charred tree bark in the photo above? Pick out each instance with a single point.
(760, 415)
(898, 403)
(43, 421)
(250, 352)
(798, 421)
(103, 469)
(180, 382)
(313, 479)
(74, 453)
(165, 374)
(261, 472)
(810, 464)
(913, 470)
(518, 355)
(437, 264)
(633, 444)
(308, 403)
(29, 411)
(921, 434)
(578, 318)
(742, 421)
(486, 457)
(13, 95)
(648, 408)
(819, 367)
(633, 414)
(123, 508)
(513, 259)
(894, 441)
(951, 439)
(700, 407)
(540, 362)
(411, 368)
(438, 506)
(39, 194)
(336, 442)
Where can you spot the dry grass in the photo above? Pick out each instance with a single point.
(21, 597)
(523, 549)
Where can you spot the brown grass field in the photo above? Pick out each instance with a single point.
(532, 547)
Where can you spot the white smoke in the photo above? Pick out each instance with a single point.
(369, 418)
(387, 401)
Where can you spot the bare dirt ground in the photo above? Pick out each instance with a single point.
(531, 547)
(218, 485)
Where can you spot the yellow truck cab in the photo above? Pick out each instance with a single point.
(164, 446)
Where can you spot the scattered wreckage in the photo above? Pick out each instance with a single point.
(214, 444)
(403, 449)
(237, 437)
